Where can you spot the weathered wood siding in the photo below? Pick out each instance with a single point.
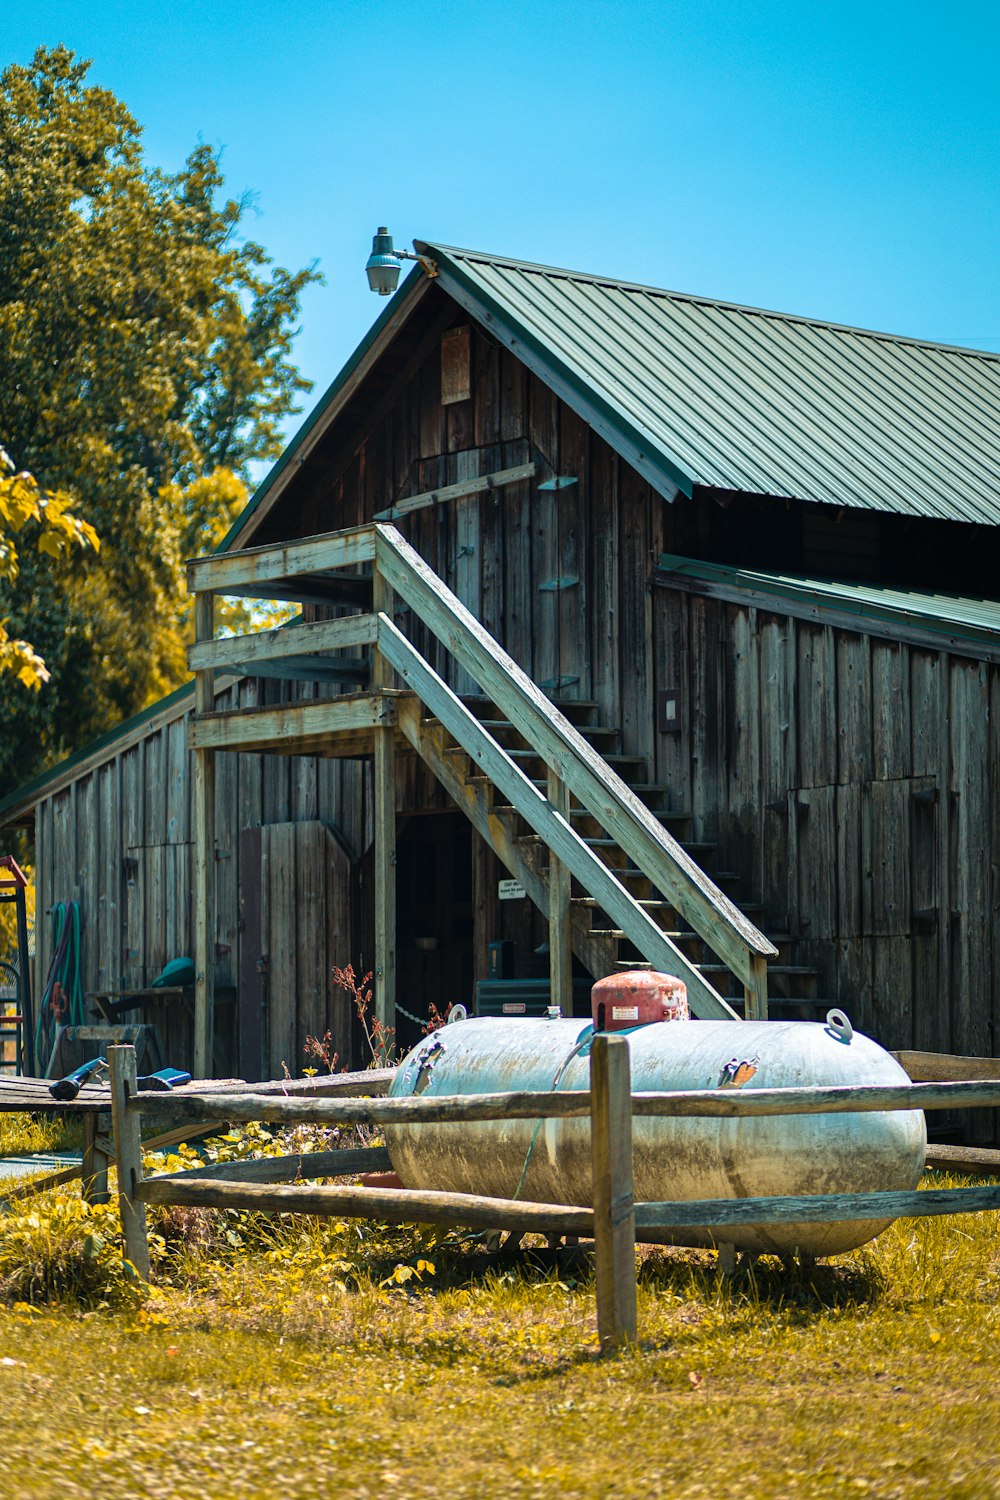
(119, 842)
(852, 782)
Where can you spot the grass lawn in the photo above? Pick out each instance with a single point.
(298, 1358)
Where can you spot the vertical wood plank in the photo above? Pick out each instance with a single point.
(312, 963)
(128, 1155)
(777, 760)
(204, 810)
(384, 797)
(614, 1206)
(890, 710)
(854, 708)
(602, 571)
(574, 604)
(560, 935)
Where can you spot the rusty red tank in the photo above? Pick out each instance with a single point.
(636, 998)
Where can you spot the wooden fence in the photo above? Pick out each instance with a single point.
(614, 1220)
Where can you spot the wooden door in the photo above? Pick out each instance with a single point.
(297, 886)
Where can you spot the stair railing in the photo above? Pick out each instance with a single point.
(574, 764)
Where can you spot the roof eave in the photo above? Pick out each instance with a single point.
(626, 437)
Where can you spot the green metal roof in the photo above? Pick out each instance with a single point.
(699, 392)
(954, 620)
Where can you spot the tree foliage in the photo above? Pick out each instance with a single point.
(144, 366)
(58, 529)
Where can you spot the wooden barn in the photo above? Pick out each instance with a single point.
(636, 627)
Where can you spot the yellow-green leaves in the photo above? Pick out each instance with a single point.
(57, 531)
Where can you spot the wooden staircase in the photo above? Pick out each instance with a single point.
(573, 819)
(601, 947)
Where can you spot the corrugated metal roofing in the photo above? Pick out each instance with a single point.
(947, 615)
(741, 399)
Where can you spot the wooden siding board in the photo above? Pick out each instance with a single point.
(743, 743)
(970, 824)
(133, 811)
(777, 759)
(541, 560)
(278, 886)
(312, 962)
(603, 576)
(890, 857)
(816, 704)
(109, 914)
(573, 507)
(854, 708)
(891, 710)
(635, 615)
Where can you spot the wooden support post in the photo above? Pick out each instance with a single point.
(755, 993)
(614, 1205)
(204, 812)
(95, 1159)
(128, 1155)
(726, 1258)
(384, 792)
(560, 926)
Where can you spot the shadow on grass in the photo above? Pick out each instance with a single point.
(768, 1283)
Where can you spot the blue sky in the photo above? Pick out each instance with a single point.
(836, 160)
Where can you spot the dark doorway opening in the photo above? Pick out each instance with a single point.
(434, 918)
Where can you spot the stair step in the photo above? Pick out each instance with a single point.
(573, 708)
(800, 969)
(590, 732)
(595, 904)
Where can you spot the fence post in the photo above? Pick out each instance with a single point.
(614, 1205)
(95, 1159)
(128, 1155)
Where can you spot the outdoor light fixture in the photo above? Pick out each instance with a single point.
(384, 263)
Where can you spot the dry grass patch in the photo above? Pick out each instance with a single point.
(306, 1358)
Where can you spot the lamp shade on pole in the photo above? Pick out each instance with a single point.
(383, 265)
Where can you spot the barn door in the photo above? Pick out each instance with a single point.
(296, 900)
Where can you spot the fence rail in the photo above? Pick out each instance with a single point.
(613, 1218)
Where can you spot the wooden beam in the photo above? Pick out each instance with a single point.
(244, 652)
(306, 1165)
(723, 1213)
(661, 858)
(970, 1161)
(282, 726)
(755, 990)
(567, 1104)
(560, 931)
(614, 1206)
(393, 1205)
(354, 670)
(384, 797)
(347, 589)
(256, 565)
(204, 872)
(942, 1067)
(128, 1156)
(561, 838)
(465, 487)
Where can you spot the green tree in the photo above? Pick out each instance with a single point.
(144, 366)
